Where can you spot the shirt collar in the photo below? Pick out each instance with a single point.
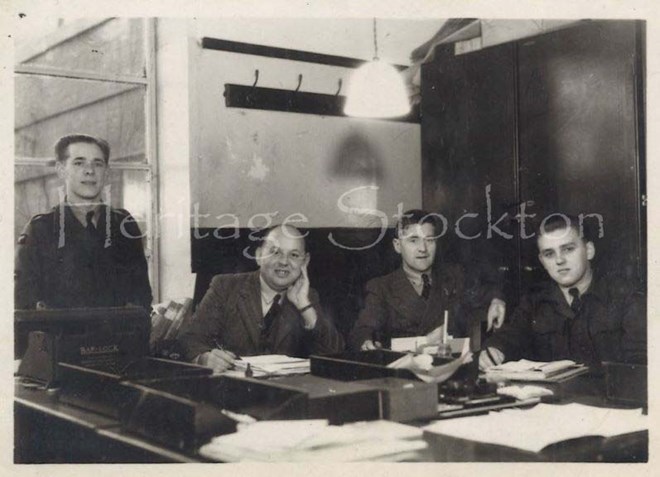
(582, 287)
(416, 277)
(80, 213)
(267, 293)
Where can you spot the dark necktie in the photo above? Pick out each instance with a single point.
(90, 224)
(576, 304)
(426, 289)
(272, 313)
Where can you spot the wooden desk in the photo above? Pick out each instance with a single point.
(47, 431)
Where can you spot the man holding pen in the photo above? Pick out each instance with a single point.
(270, 311)
(578, 314)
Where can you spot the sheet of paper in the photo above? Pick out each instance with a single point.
(419, 344)
(315, 440)
(272, 364)
(527, 365)
(410, 343)
(542, 425)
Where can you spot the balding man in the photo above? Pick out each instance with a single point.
(272, 310)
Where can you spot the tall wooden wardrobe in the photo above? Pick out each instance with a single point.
(553, 123)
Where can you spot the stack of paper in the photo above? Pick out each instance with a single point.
(420, 344)
(542, 425)
(526, 370)
(315, 440)
(272, 365)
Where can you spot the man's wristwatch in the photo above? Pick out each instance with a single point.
(305, 308)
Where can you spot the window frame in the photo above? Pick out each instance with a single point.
(148, 81)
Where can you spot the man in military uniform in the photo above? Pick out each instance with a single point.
(578, 314)
(83, 253)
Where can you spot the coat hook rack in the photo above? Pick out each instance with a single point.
(256, 78)
(294, 101)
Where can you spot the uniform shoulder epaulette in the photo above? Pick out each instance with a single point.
(41, 217)
(39, 221)
(122, 212)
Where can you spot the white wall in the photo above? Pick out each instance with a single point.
(181, 84)
(248, 163)
(176, 279)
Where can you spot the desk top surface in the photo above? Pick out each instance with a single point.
(587, 390)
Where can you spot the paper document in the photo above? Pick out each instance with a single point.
(315, 440)
(272, 365)
(425, 371)
(545, 424)
(526, 370)
(524, 392)
(420, 344)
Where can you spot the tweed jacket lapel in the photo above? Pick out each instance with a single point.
(249, 308)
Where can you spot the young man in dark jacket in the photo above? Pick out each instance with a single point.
(83, 253)
(576, 315)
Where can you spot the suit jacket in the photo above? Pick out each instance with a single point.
(609, 326)
(230, 315)
(393, 308)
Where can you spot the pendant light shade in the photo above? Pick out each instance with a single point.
(376, 90)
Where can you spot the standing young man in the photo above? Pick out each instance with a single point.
(411, 301)
(83, 253)
(576, 315)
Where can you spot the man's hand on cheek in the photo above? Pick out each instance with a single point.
(298, 293)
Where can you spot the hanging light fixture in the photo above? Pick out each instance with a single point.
(376, 90)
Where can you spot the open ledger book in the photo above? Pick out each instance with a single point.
(526, 370)
(543, 425)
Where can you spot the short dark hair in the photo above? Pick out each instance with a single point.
(414, 217)
(559, 221)
(65, 141)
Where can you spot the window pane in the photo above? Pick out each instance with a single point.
(113, 46)
(47, 108)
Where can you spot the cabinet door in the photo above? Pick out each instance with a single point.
(578, 136)
(468, 146)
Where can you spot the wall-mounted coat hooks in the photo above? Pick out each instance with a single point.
(292, 101)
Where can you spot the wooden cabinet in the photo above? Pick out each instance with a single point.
(553, 122)
(468, 151)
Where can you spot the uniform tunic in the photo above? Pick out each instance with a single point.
(64, 264)
(610, 325)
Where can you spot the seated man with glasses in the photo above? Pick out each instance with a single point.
(411, 301)
(270, 311)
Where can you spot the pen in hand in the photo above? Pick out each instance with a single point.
(219, 358)
(218, 346)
